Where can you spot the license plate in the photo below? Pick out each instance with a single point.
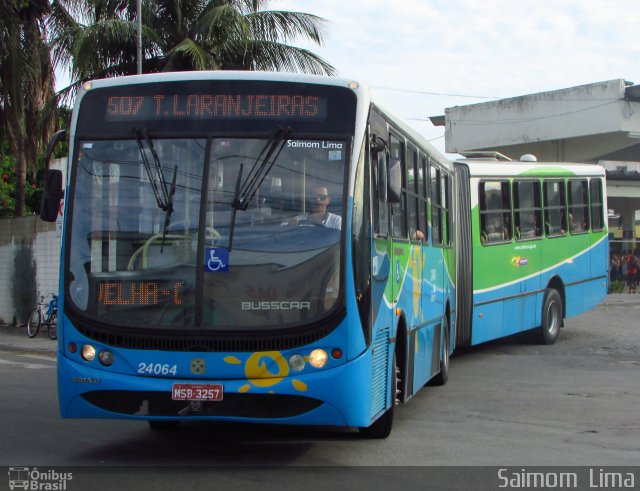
(196, 392)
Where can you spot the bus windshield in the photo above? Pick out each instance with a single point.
(206, 233)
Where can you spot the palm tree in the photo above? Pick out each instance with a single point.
(27, 110)
(97, 38)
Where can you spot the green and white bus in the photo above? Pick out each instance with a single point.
(532, 246)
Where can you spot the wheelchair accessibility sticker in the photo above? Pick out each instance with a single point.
(216, 260)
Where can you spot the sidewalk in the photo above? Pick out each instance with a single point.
(16, 339)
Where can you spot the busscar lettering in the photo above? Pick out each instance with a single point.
(276, 305)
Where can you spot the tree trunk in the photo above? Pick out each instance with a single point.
(21, 179)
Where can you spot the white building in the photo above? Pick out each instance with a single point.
(598, 122)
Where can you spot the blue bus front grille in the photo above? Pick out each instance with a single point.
(380, 375)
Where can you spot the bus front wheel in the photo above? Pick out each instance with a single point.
(442, 377)
(551, 316)
(381, 427)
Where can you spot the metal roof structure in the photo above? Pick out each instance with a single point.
(587, 123)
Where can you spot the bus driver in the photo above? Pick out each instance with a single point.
(319, 215)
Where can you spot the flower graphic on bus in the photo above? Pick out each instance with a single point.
(519, 261)
(265, 369)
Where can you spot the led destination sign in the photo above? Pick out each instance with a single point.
(139, 293)
(219, 106)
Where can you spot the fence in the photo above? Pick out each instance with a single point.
(42, 241)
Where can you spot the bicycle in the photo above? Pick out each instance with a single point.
(39, 317)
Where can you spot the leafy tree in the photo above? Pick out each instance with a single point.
(27, 103)
(34, 183)
(97, 38)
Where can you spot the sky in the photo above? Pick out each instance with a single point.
(436, 54)
(446, 53)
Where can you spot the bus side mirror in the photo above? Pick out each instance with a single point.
(381, 162)
(379, 159)
(395, 181)
(52, 193)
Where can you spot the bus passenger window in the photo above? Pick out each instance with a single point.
(436, 206)
(495, 212)
(527, 209)
(578, 206)
(555, 216)
(399, 210)
(597, 218)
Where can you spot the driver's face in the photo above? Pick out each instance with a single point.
(320, 199)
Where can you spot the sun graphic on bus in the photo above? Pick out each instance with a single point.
(265, 369)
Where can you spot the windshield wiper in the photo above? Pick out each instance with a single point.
(245, 191)
(260, 169)
(169, 210)
(163, 195)
(159, 189)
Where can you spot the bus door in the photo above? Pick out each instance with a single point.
(400, 250)
(381, 253)
(527, 217)
(597, 290)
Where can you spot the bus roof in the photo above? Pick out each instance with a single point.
(491, 168)
(223, 75)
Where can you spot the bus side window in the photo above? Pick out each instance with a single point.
(495, 212)
(413, 203)
(527, 209)
(555, 216)
(436, 206)
(446, 209)
(399, 210)
(578, 206)
(423, 192)
(597, 217)
(379, 182)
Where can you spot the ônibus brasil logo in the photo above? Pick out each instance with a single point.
(38, 480)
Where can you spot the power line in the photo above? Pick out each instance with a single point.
(394, 89)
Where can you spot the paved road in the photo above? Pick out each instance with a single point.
(507, 403)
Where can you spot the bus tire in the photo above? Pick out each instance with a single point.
(442, 377)
(551, 316)
(381, 427)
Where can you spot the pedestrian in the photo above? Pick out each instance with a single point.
(632, 272)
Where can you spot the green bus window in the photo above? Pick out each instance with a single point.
(436, 207)
(413, 204)
(597, 220)
(555, 215)
(495, 212)
(578, 206)
(527, 210)
(399, 210)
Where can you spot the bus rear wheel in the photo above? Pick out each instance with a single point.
(381, 428)
(551, 316)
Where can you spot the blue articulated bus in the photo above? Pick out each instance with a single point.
(250, 247)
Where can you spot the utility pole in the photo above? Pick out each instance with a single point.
(139, 34)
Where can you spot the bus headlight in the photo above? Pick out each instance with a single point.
(88, 352)
(318, 358)
(296, 362)
(106, 358)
